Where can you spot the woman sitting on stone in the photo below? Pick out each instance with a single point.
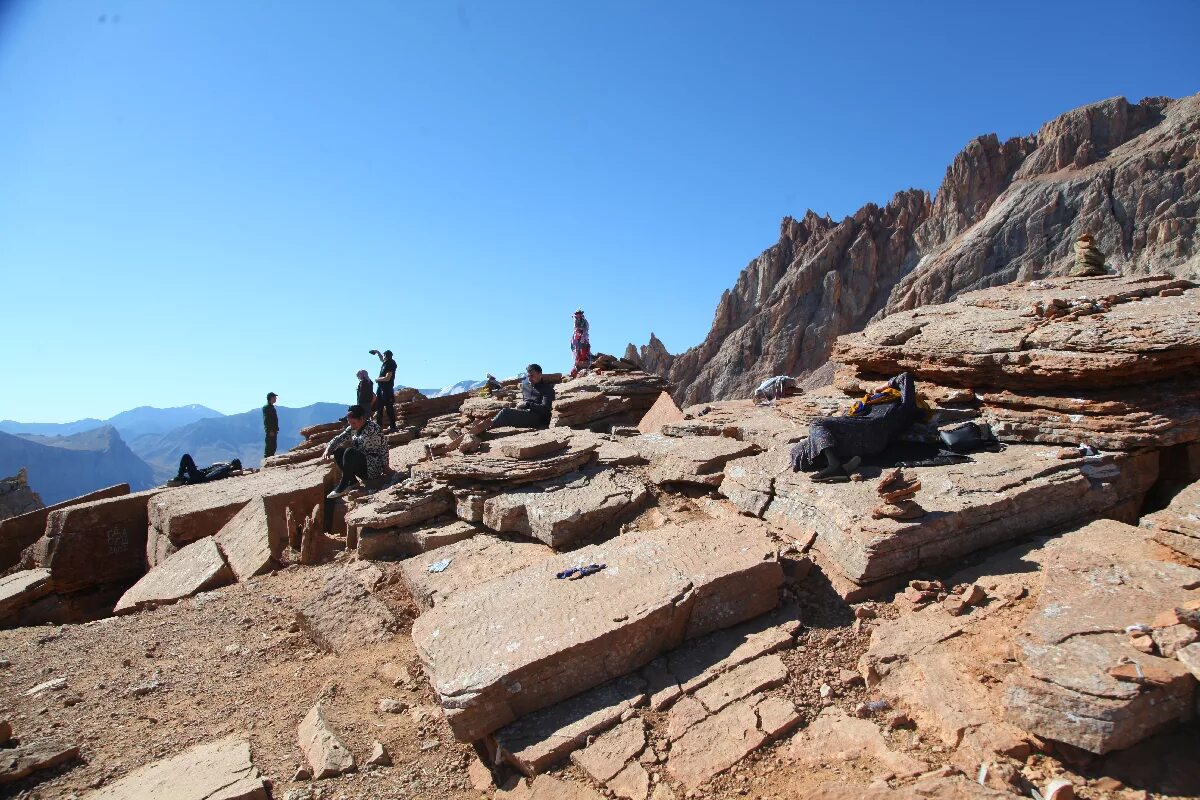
(365, 458)
(835, 444)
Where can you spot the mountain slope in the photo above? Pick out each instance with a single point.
(62, 467)
(229, 437)
(132, 423)
(1129, 174)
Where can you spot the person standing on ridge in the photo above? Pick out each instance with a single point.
(270, 425)
(385, 396)
(366, 394)
(581, 345)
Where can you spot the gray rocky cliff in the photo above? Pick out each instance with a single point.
(1006, 211)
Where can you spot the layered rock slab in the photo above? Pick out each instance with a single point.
(1178, 525)
(489, 666)
(345, 616)
(193, 512)
(568, 509)
(401, 543)
(19, 589)
(472, 562)
(20, 531)
(195, 568)
(994, 498)
(1131, 333)
(541, 739)
(692, 459)
(221, 770)
(95, 544)
(955, 673)
(496, 468)
(245, 541)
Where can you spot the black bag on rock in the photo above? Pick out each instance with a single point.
(970, 438)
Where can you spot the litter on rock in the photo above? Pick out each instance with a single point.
(439, 566)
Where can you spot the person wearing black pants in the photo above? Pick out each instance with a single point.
(537, 396)
(385, 396)
(360, 451)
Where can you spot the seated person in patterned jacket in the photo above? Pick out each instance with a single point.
(360, 451)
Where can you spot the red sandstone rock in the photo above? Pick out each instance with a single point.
(489, 666)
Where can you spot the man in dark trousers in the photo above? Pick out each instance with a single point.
(270, 425)
(537, 395)
(385, 396)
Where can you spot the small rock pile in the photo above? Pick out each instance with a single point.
(1089, 261)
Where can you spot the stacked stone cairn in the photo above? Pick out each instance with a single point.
(1089, 261)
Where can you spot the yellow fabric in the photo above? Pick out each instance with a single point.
(887, 395)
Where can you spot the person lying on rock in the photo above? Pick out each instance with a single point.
(190, 473)
(537, 396)
(835, 445)
(360, 451)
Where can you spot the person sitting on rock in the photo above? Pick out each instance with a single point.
(835, 445)
(360, 451)
(537, 396)
(190, 473)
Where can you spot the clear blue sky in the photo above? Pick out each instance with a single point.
(202, 201)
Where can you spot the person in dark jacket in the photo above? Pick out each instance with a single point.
(385, 395)
(360, 451)
(190, 473)
(366, 394)
(537, 396)
(835, 445)
(270, 425)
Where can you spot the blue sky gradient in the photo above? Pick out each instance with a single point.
(204, 201)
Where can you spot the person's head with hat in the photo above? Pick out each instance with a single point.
(271, 398)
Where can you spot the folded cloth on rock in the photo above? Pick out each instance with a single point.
(574, 573)
(861, 407)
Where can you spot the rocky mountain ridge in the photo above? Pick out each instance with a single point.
(1006, 211)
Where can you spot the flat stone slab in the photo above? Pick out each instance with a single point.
(496, 468)
(612, 750)
(95, 544)
(27, 758)
(323, 749)
(408, 503)
(991, 337)
(835, 736)
(22, 530)
(196, 568)
(473, 562)
(994, 498)
(490, 666)
(983, 680)
(1076, 635)
(533, 444)
(245, 541)
(691, 459)
(19, 589)
(749, 678)
(221, 770)
(1178, 525)
(401, 543)
(547, 787)
(698, 663)
(345, 616)
(568, 509)
(540, 740)
(188, 513)
(715, 744)
(595, 397)
(742, 420)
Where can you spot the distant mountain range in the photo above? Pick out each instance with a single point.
(62, 467)
(142, 446)
(130, 424)
(225, 438)
(456, 388)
